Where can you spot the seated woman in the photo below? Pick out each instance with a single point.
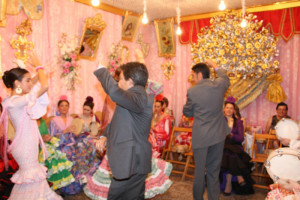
(185, 138)
(235, 161)
(281, 112)
(57, 163)
(77, 148)
(160, 124)
(87, 115)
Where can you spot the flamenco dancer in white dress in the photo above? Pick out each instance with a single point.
(23, 107)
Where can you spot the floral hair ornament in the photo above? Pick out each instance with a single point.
(230, 99)
(159, 97)
(20, 63)
(63, 98)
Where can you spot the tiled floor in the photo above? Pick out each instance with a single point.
(182, 190)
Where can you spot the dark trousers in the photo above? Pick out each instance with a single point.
(210, 158)
(132, 188)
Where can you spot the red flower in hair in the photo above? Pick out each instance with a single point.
(159, 97)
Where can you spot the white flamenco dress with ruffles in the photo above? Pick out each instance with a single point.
(30, 179)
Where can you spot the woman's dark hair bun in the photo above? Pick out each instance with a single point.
(6, 78)
(89, 102)
(10, 76)
(89, 99)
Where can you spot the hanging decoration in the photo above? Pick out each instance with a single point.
(243, 52)
(21, 43)
(144, 46)
(168, 68)
(67, 61)
(118, 55)
(246, 53)
(275, 92)
(32, 8)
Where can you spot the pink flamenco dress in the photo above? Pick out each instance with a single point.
(157, 182)
(30, 179)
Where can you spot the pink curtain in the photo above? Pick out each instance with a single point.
(259, 111)
(65, 16)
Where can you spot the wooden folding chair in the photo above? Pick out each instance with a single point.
(260, 157)
(170, 148)
(189, 158)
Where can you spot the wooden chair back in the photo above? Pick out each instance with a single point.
(259, 158)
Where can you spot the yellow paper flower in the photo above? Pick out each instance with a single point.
(276, 63)
(253, 64)
(257, 36)
(248, 45)
(257, 45)
(237, 32)
(265, 56)
(224, 61)
(221, 52)
(264, 66)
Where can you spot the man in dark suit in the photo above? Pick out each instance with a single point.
(205, 103)
(128, 150)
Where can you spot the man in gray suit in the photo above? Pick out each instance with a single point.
(205, 103)
(128, 150)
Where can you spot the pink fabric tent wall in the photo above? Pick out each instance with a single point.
(68, 17)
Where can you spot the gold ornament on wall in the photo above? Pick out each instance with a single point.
(168, 68)
(21, 43)
(245, 52)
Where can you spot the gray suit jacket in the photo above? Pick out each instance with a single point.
(128, 149)
(205, 104)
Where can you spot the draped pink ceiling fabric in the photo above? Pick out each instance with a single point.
(65, 16)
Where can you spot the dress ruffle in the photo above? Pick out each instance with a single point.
(58, 165)
(158, 181)
(32, 174)
(34, 191)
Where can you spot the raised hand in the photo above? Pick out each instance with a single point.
(34, 60)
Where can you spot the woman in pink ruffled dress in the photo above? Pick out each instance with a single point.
(160, 125)
(23, 107)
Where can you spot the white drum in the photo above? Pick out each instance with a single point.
(287, 128)
(78, 124)
(94, 128)
(283, 167)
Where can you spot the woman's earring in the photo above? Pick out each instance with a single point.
(18, 89)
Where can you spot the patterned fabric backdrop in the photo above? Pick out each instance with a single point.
(68, 16)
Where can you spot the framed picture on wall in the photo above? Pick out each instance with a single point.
(130, 25)
(2, 12)
(165, 37)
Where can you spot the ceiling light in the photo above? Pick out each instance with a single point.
(145, 19)
(222, 5)
(95, 2)
(244, 23)
(178, 31)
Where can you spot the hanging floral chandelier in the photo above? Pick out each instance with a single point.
(244, 52)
